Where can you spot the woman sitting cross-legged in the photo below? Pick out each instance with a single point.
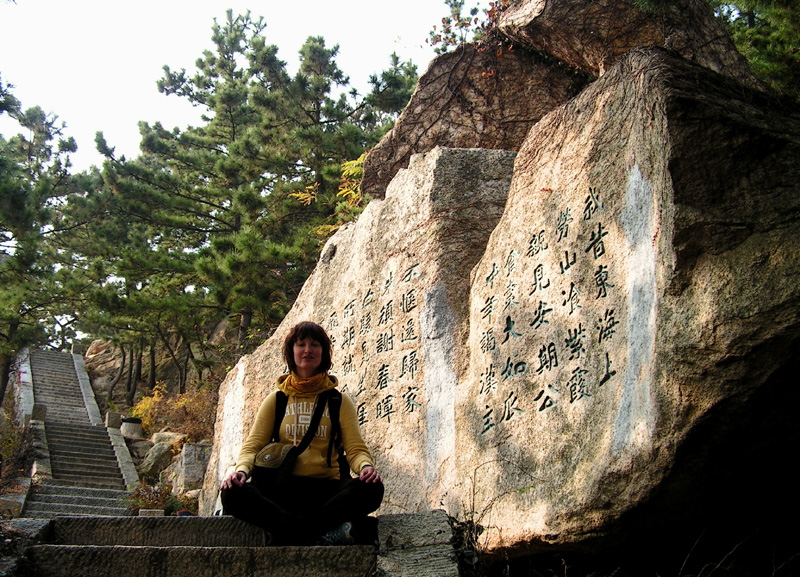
(315, 505)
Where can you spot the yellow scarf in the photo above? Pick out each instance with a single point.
(308, 386)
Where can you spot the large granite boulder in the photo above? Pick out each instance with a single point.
(636, 308)
(470, 98)
(592, 36)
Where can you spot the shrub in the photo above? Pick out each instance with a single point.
(191, 413)
(14, 447)
(154, 497)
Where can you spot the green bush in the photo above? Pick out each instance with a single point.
(154, 497)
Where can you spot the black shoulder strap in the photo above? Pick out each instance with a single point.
(280, 410)
(335, 405)
(322, 399)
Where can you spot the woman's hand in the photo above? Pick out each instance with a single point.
(370, 475)
(236, 478)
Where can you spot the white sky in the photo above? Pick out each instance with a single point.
(95, 63)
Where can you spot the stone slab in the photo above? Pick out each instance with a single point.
(71, 560)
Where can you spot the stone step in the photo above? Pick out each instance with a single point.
(85, 499)
(416, 544)
(79, 445)
(103, 561)
(98, 458)
(105, 473)
(221, 531)
(63, 370)
(66, 401)
(101, 455)
(66, 441)
(89, 458)
(62, 409)
(65, 490)
(89, 429)
(85, 445)
(69, 401)
(48, 395)
(81, 448)
(67, 417)
(70, 419)
(65, 365)
(36, 510)
(54, 380)
(89, 482)
(62, 434)
(82, 430)
(57, 499)
(86, 471)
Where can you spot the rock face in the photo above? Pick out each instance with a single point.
(470, 98)
(186, 472)
(592, 36)
(611, 339)
(481, 97)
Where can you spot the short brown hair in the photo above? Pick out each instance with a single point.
(307, 330)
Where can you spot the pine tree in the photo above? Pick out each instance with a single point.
(34, 181)
(767, 33)
(222, 197)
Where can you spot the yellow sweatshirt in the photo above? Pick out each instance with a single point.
(313, 462)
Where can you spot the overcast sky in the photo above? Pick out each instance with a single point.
(95, 63)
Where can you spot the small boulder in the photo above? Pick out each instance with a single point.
(169, 437)
(157, 459)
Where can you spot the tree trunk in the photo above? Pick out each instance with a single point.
(117, 377)
(134, 372)
(129, 380)
(151, 380)
(245, 320)
(137, 367)
(174, 358)
(8, 359)
(5, 374)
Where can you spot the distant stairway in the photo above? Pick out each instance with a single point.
(86, 479)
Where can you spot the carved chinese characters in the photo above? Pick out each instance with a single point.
(376, 347)
(545, 315)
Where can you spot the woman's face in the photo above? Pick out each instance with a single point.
(307, 357)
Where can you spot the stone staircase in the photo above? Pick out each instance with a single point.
(416, 545)
(78, 472)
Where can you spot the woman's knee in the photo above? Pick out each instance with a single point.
(370, 494)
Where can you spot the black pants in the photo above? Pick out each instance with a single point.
(303, 508)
